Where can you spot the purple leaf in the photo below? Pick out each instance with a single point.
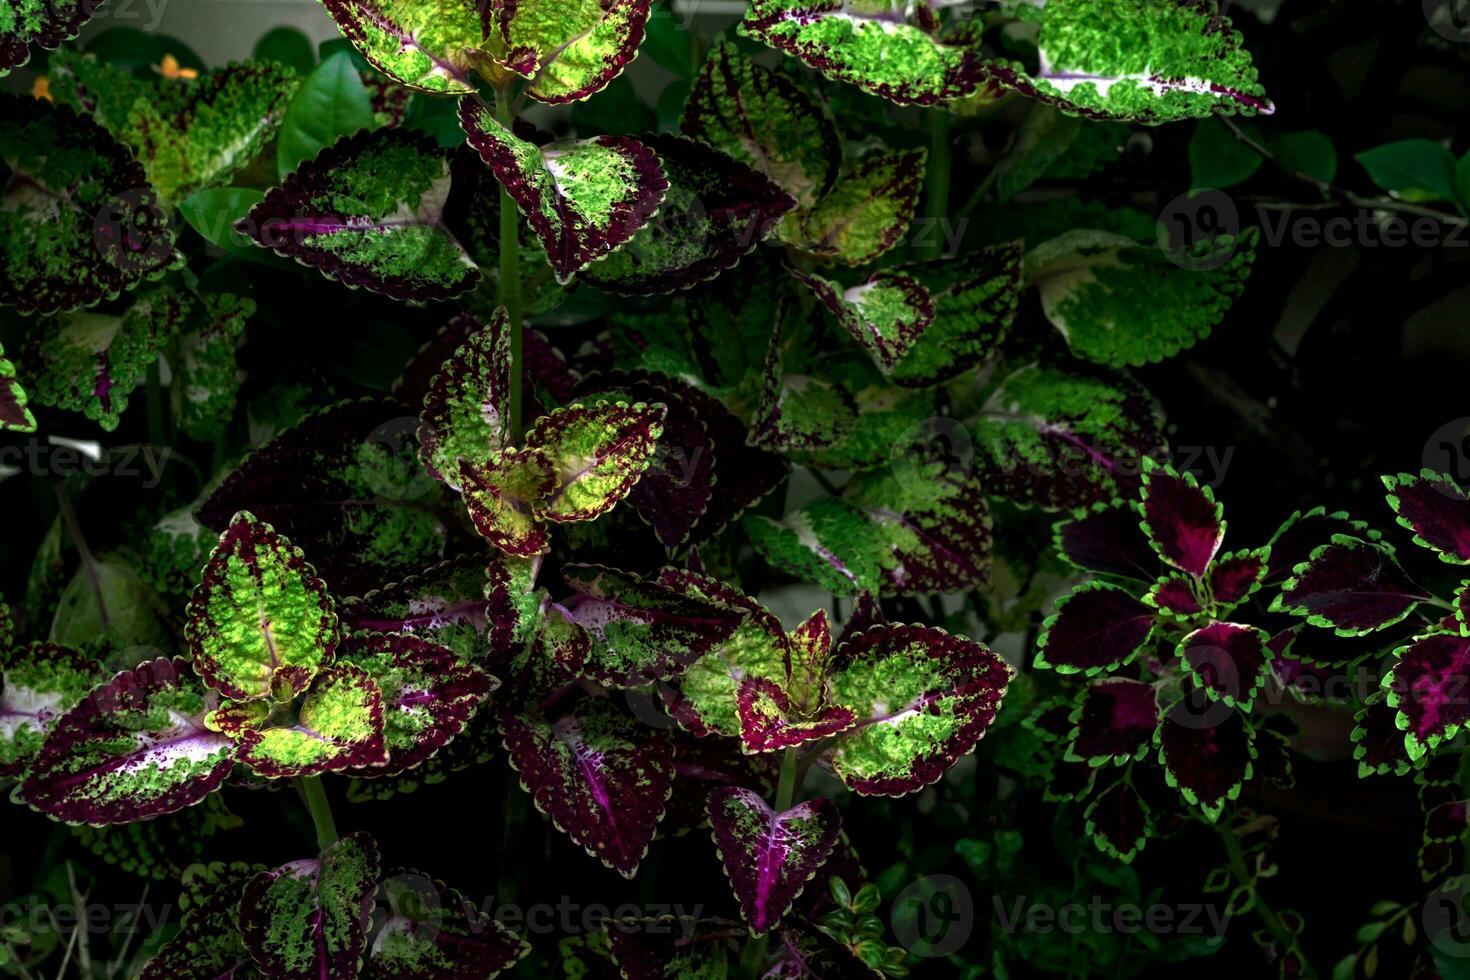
(1180, 518)
(1427, 686)
(1351, 586)
(1106, 538)
(715, 211)
(1175, 594)
(135, 748)
(1207, 763)
(702, 764)
(670, 948)
(1096, 627)
(431, 932)
(1378, 743)
(308, 920)
(1117, 821)
(769, 722)
(1114, 722)
(346, 486)
(429, 694)
(768, 856)
(1227, 660)
(1301, 534)
(923, 699)
(391, 241)
(467, 409)
(601, 776)
(578, 221)
(1235, 577)
(1436, 510)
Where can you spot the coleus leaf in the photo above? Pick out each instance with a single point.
(1350, 586)
(1095, 628)
(208, 945)
(1206, 762)
(429, 694)
(444, 605)
(368, 212)
(187, 134)
(666, 948)
(866, 213)
(161, 849)
(1426, 687)
(768, 856)
(599, 452)
(1113, 722)
(1235, 577)
(1105, 538)
(346, 485)
(336, 724)
(567, 51)
(1182, 520)
(1118, 821)
(645, 630)
(1302, 533)
(1435, 508)
(44, 23)
(78, 221)
(769, 722)
(92, 362)
(135, 748)
(1228, 661)
(923, 699)
(602, 776)
(467, 409)
(1378, 742)
(975, 301)
(1063, 439)
(501, 496)
(806, 953)
(675, 492)
(872, 48)
(429, 47)
(208, 379)
(40, 683)
(308, 920)
(14, 413)
(885, 315)
(1121, 303)
(432, 932)
(716, 209)
(765, 121)
(260, 622)
(583, 198)
(1151, 63)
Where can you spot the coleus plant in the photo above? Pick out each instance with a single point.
(567, 530)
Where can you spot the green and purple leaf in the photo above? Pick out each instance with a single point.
(599, 453)
(41, 682)
(568, 51)
(14, 415)
(768, 856)
(1114, 722)
(1097, 627)
(602, 776)
(208, 945)
(337, 724)
(1301, 534)
(583, 198)
(1118, 821)
(1235, 577)
(764, 120)
(874, 48)
(260, 623)
(1378, 742)
(426, 46)
(445, 605)
(866, 213)
(769, 722)
(431, 932)
(134, 748)
(1181, 518)
(1426, 686)
(887, 315)
(716, 209)
(923, 699)
(467, 409)
(429, 694)
(308, 920)
(368, 212)
(1351, 586)
(44, 23)
(78, 222)
(502, 495)
(1206, 763)
(1228, 661)
(1435, 508)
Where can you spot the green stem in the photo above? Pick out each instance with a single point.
(753, 957)
(510, 275)
(936, 184)
(512, 860)
(1236, 858)
(315, 796)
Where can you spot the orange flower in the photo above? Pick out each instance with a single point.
(170, 69)
(41, 88)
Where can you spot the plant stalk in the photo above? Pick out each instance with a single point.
(936, 185)
(753, 957)
(1283, 936)
(314, 794)
(510, 276)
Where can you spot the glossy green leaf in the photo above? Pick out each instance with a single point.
(330, 103)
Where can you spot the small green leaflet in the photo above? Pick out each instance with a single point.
(14, 415)
(187, 133)
(1121, 303)
(599, 453)
(502, 495)
(260, 623)
(866, 213)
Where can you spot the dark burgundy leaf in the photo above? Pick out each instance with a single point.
(1429, 686)
(1181, 518)
(1351, 586)
(1097, 627)
(1207, 761)
(1227, 660)
(1106, 538)
(1117, 820)
(1436, 510)
(1115, 721)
